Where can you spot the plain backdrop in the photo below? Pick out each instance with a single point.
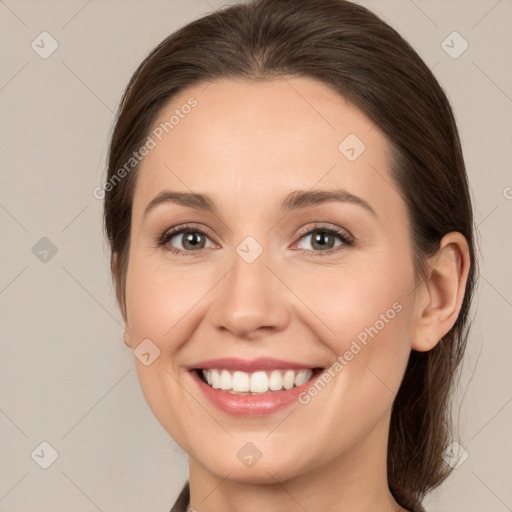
(66, 377)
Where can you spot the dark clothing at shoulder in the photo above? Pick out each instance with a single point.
(182, 503)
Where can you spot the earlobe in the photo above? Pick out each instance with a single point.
(127, 338)
(442, 292)
(114, 268)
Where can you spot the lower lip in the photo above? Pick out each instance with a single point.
(252, 405)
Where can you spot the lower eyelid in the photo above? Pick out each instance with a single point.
(337, 248)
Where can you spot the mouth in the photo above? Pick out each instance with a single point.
(255, 383)
(250, 388)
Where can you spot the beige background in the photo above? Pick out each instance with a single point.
(65, 375)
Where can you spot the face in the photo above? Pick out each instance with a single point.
(297, 264)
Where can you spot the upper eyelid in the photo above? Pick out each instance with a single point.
(327, 227)
(177, 230)
(180, 230)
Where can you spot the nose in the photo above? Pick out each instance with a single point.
(251, 301)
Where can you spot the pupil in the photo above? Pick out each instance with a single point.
(190, 238)
(323, 236)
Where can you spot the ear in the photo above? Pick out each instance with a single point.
(441, 294)
(116, 274)
(127, 337)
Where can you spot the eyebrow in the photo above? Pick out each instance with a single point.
(295, 200)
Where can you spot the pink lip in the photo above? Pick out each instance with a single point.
(251, 405)
(246, 365)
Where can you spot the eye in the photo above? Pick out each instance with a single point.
(184, 239)
(323, 239)
(189, 239)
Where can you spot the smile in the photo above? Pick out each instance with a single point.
(252, 388)
(244, 383)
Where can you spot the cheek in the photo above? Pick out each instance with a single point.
(363, 313)
(369, 343)
(365, 301)
(160, 300)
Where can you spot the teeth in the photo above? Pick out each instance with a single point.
(275, 382)
(226, 382)
(289, 379)
(215, 378)
(257, 382)
(302, 377)
(240, 382)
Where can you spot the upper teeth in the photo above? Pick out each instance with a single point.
(257, 382)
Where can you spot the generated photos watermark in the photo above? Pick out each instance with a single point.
(356, 347)
(151, 142)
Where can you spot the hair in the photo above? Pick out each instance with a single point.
(349, 48)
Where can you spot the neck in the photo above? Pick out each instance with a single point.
(354, 481)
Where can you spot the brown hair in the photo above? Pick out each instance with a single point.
(349, 48)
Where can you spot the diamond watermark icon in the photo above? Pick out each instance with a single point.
(44, 250)
(44, 455)
(351, 147)
(249, 455)
(249, 249)
(454, 45)
(44, 45)
(146, 352)
(455, 455)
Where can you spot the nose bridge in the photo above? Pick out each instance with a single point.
(251, 297)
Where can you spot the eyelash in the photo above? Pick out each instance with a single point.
(345, 238)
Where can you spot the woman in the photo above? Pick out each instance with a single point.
(292, 248)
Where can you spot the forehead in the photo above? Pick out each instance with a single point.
(263, 140)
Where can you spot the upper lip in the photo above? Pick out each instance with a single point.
(249, 365)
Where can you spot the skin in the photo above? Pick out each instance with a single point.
(249, 145)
